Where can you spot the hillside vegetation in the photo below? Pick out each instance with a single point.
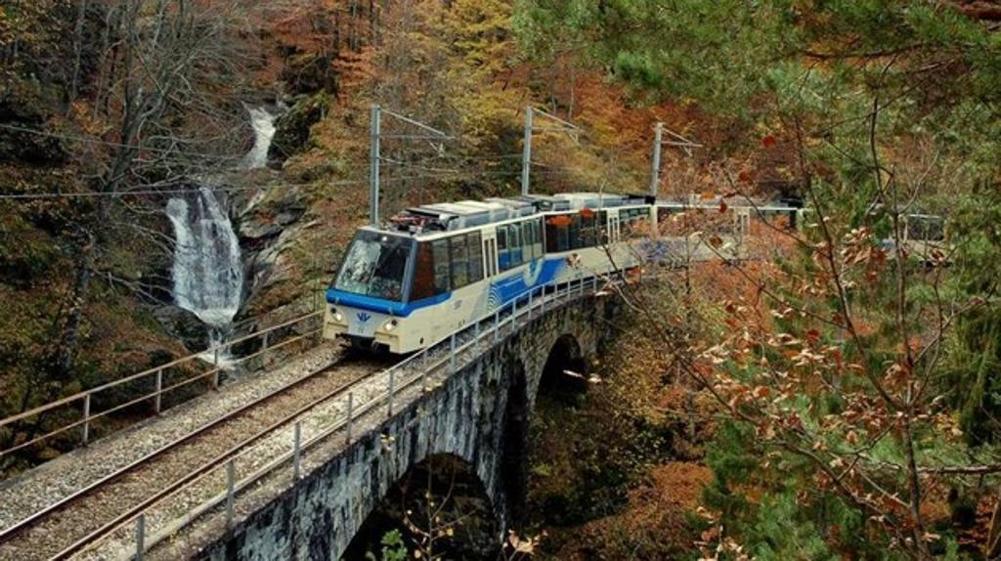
(837, 400)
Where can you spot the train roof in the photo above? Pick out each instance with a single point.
(446, 217)
(441, 217)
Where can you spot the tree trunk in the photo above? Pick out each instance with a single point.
(992, 548)
(81, 17)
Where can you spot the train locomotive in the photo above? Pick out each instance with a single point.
(436, 268)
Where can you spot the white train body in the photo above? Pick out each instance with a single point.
(442, 266)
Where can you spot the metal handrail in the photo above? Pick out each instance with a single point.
(424, 361)
(157, 372)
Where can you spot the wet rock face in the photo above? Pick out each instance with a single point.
(263, 221)
(183, 326)
(292, 127)
(271, 228)
(309, 72)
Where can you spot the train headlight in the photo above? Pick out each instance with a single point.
(390, 325)
(338, 317)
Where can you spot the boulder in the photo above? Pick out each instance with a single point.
(184, 326)
(292, 127)
(264, 218)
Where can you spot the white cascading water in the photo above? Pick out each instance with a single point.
(264, 130)
(207, 270)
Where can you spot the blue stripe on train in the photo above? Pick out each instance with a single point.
(381, 305)
(538, 273)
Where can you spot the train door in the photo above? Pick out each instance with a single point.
(614, 227)
(490, 256)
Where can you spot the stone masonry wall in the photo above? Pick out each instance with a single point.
(316, 518)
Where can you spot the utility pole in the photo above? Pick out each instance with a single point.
(375, 147)
(675, 139)
(526, 157)
(373, 197)
(658, 135)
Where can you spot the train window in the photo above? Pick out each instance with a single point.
(514, 239)
(503, 255)
(574, 231)
(587, 233)
(441, 269)
(528, 240)
(475, 244)
(374, 266)
(424, 279)
(537, 244)
(558, 233)
(601, 228)
(925, 227)
(459, 258)
(551, 235)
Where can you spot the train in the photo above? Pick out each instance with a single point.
(434, 269)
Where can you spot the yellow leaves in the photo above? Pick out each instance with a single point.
(523, 545)
(896, 375)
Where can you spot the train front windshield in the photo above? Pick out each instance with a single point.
(375, 265)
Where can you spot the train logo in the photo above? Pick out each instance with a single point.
(363, 317)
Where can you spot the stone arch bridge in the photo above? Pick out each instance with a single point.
(478, 413)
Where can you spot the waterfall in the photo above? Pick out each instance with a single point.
(208, 272)
(207, 269)
(263, 124)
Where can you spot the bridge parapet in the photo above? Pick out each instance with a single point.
(452, 398)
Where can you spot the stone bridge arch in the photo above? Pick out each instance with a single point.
(440, 496)
(479, 414)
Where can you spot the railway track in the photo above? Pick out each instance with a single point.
(72, 523)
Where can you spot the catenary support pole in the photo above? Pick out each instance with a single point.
(373, 201)
(658, 135)
(526, 157)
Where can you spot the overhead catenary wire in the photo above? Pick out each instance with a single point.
(447, 174)
(438, 173)
(137, 147)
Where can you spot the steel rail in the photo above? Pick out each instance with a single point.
(420, 360)
(204, 469)
(6, 533)
(423, 361)
(149, 372)
(84, 395)
(152, 395)
(343, 420)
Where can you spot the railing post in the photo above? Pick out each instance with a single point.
(451, 354)
(424, 370)
(158, 402)
(230, 485)
(266, 334)
(297, 450)
(497, 324)
(140, 536)
(351, 399)
(392, 379)
(215, 364)
(530, 294)
(86, 419)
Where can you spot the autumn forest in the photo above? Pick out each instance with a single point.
(835, 396)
